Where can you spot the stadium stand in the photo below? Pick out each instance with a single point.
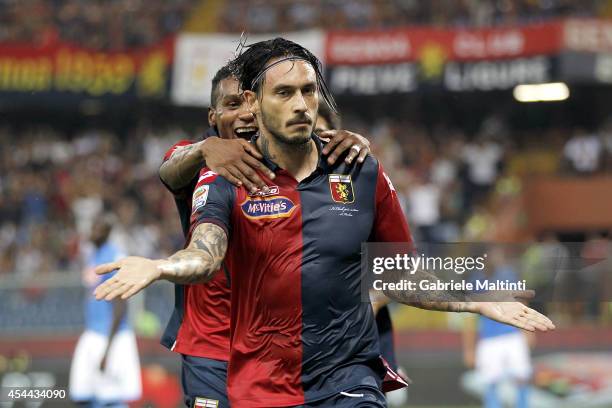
(114, 25)
(52, 183)
(280, 15)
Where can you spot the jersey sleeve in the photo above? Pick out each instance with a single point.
(180, 192)
(390, 223)
(212, 202)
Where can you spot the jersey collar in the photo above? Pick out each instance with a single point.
(321, 163)
(211, 131)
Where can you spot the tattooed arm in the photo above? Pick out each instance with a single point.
(182, 166)
(236, 160)
(200, 260)
(390, 226)
(508, 310)
(441, 300)
(195, 264)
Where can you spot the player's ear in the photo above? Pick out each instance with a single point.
(252, 102)
(211, 117)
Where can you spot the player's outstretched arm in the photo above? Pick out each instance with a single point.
(509, 310)
(202, 258)
(441, 300)
(234, 159)
(195, 264)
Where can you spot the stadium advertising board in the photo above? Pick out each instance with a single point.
(417, 44)
(405, 60)
(588, 55)
(587, 35)
(374, 79)
(497, 74)
(199, 57)
(485, 75)
(63, 70)
(603, 68)
(398, 61)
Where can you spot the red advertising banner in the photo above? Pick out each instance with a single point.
(588, 35)
(67, 69)
(426, 44)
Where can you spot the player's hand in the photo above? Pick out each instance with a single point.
(237, 161)
(134, 274)
(342, 140)
(515, 314)
(504, 296)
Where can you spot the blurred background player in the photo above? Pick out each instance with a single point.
(105, 369)
(499, 352)
(199, 326)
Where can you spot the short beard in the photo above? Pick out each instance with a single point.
(291, 142)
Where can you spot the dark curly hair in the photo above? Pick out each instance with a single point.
(224, 72)
(251, 65)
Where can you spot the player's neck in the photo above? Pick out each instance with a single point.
(299, 160)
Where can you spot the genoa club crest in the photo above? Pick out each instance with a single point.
(341, 188)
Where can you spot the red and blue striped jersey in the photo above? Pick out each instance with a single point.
(199, 325)
(299, 330)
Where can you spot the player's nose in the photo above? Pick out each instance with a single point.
(299, 103)
(246, 116)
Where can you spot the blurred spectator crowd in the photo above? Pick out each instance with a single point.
(262, 16)
(455, 186)
(122, 24)
(97, 24)
(52, 188)
(452, 187)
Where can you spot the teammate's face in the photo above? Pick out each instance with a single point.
(99, 232)
(231, 114)
(289, 102)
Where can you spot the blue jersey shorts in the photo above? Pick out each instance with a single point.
(204, 379)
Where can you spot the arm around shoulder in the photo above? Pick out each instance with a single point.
(182, 165)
